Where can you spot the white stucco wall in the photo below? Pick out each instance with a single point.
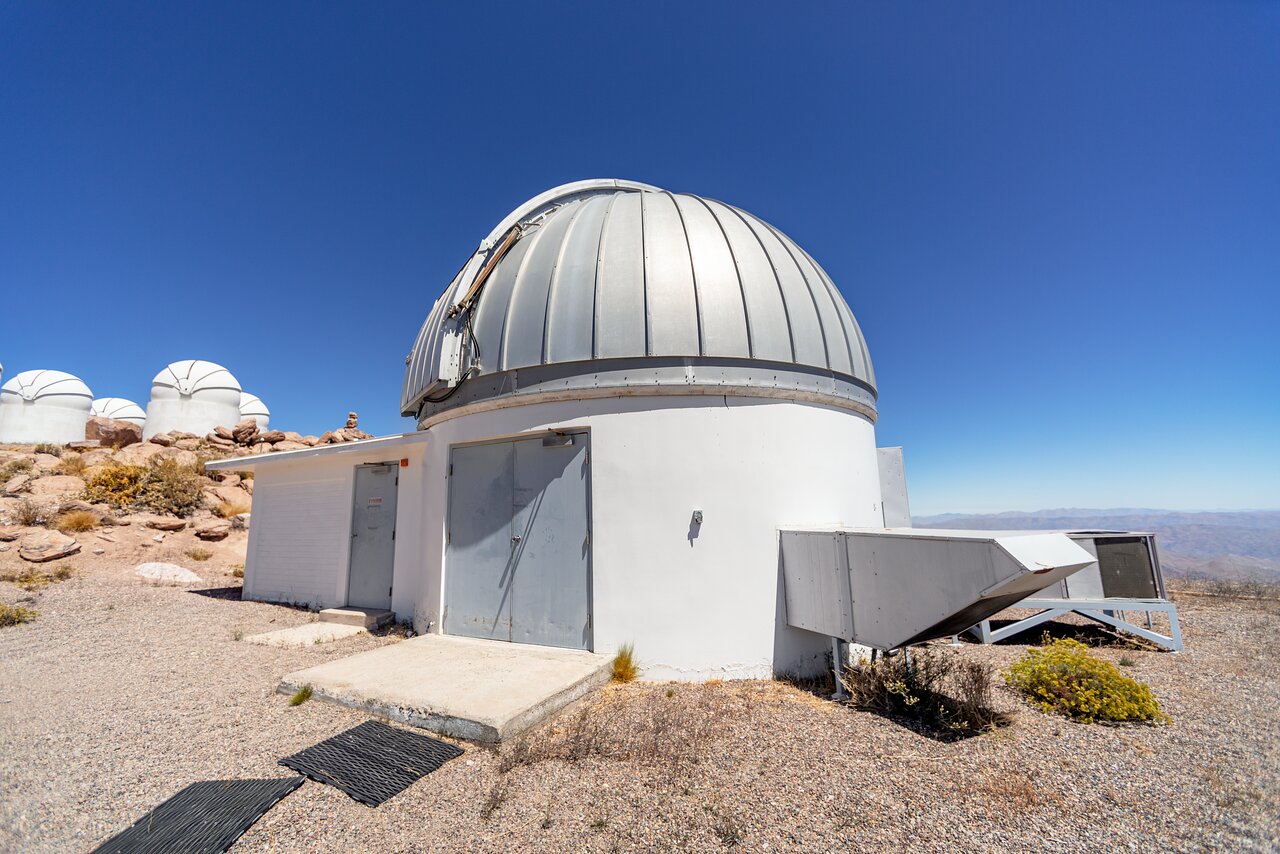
(694, 606)
(300, 530)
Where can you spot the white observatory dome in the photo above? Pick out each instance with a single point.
(193, 396)
(251, 406)
(612, 286)
(44, 406)
(120, 409)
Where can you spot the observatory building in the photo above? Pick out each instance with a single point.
(251, 406)
(623, 399)
(120, 409)
(44, 406)
(193, 396)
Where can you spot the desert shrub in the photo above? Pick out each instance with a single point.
(15, 615)
(170, 487)
(166, 486)
(1063, 677)
(13, 468)
(227, 509)
(72, 464)
(237, 570)
(946, 695)
(30, 514)
(625, 668)
(48, 448)
(199, 553)
(76, 521)
(117, 485)
(301, 695)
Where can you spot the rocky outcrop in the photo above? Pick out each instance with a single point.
(112, 432)
(16, 485)
(167, 572)
(45, 546)
(57, 486)
(213, 530)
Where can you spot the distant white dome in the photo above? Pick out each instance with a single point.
(44, 406)
(120, 409)
(251, 406)
(193, 396)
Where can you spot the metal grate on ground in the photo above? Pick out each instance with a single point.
(372, 762)
(204, 818)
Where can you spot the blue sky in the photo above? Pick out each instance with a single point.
(1058, 224)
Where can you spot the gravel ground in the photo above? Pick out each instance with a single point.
(122, 692)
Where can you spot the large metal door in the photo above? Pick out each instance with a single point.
(373, 526)
(519, 553)
(551, 589)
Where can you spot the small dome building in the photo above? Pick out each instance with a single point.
(620, 399)
(120, 409)
(44, 406)
(193, 396)
(251, 406)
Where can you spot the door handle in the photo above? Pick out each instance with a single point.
(515, 538)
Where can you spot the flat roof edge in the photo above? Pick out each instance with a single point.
(235, 463)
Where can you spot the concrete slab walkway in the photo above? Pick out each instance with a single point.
(305, 635)
(477, 690)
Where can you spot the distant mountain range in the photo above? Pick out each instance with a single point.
(1227, 544)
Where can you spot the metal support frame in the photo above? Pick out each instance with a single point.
(1099, 610)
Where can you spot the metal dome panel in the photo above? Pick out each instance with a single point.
(192, 376)
(120, 409)
(595, 278)
(251, 406)
(47, 388)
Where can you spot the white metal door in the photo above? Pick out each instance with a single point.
(518, 559)
(373, 532)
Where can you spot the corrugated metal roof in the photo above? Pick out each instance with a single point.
(609, 270)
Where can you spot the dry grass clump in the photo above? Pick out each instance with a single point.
(199, 553)
(1063, 677)
(31, 578)
(29, 514)
(1229, 588)
(71, 464)
(48, 448)
(227, 509)
(15, 615)
(301, 695)
(945, 696)
(76, 521)
(166, 486)
(13, 468)
(669, 725)
(625, 668)
(237, 570)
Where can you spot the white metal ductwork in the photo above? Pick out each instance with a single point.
(891, 588)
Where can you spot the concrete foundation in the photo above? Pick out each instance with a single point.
(476, 690)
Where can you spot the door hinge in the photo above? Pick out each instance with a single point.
(388, 591)
(450, 469)
(393, 535)
(588, 536)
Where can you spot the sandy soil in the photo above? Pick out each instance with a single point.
(123, 692)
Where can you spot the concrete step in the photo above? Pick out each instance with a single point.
(369, 618)
(479, 690)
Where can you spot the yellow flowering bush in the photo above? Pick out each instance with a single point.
(117, 485)
(1064, 677)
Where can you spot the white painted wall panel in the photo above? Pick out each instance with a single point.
(300, 531)
(697, 601)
